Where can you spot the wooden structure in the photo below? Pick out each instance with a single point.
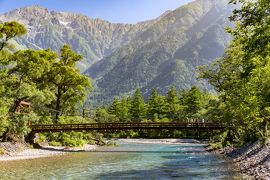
(112, 127)
(23, 105)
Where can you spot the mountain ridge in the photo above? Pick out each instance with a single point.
(188, 37)
(94, 38)
(122, 57)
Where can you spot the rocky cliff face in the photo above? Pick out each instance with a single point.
(94, 38)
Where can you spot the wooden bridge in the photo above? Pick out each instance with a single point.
(112, 127)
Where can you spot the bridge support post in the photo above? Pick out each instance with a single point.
(198, 133)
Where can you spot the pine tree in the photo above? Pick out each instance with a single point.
(139, 108)
(191, 102)
(156, 105)
(153, 104)
(125, 105)
(174, 109)
(115, 108)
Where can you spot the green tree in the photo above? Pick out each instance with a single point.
(125, 107)
(115, 107)
(191, 102)
(153, 104)
(138, 108)
(173, 102)
(103, 116)
(70, 87)
(8, 31)
(242, 76)
(25, 80)
(156, 105)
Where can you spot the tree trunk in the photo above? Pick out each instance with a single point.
(5, 135)
(15, 106)
(58, 106)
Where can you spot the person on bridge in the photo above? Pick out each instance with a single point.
(203, 121)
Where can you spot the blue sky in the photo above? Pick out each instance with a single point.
(120, 11)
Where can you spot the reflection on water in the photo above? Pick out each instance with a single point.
(127, 161)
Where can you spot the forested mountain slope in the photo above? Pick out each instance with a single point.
(122, 57)
(94, 38)
(168, 52)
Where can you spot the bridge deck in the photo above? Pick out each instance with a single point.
(125, 126)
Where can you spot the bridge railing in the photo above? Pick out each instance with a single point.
(122, 126)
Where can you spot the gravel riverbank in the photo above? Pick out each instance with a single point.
(252, 159)
(19, 151)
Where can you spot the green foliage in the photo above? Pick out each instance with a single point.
(165, 54)
(26, 78)
(138, 107)
(72, 120)
(51, 84)
(242, 76)
(3, 116)
(2, 151)
(125, 108)
(103, 116)
(54, 143)
(70, 87)
(156, 105)
(190, 104)
(41, 138)
(9, 30)
(183, 107)
(18, 124)
(175, 109)
(72, 139)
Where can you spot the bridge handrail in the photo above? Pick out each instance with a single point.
(123, 125)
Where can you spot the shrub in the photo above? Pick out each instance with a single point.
(2, 151)
(54, 143)
(216, 145)
(41, 138)
(73, 142)
(219, 141)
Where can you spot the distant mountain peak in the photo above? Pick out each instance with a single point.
(33, 9)
(94, 38)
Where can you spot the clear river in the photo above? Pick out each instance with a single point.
(126, 161)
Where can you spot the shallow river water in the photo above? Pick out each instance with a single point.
(126, 161)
